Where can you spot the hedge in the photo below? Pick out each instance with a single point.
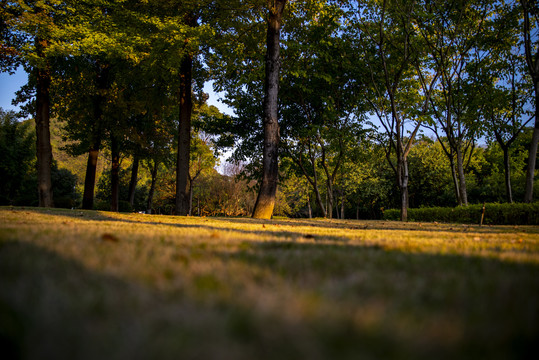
(495, 214)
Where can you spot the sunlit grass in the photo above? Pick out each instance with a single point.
(84, 284)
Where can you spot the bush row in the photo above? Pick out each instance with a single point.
(495, 214)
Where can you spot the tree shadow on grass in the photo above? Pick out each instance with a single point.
(54, 307)
(356, 226)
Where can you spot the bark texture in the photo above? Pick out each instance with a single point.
(43, 135)
(265, 201)
(133, 180)
(152, 188)
(529, 8)
(532, 157)
(115, 176)
(89, 180)
(102, 80)
(184, 137)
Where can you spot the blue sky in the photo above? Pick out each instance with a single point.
(9, 84)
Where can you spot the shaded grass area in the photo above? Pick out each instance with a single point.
(86, 285)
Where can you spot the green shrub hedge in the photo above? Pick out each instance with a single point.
(495, 214)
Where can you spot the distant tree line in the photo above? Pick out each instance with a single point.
(348, 106)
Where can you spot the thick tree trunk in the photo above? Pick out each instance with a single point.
(102, 80)
(532, 156)
(184, 137)
(115, 176)
(89, 180)
(462, 179)
(507, 168)
(133, 181)
(43, 136)
(152, 188)
(265, 201)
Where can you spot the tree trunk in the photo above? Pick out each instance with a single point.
(507, 168)
(152, 188)
(184, 137)
(190, 197)
(455, 180)
(342, 204)
(461, 178)
(309, 206)
(403, 169)
(133, 181)
(43, 135)
(115, 176)
(265, 201)
(102, 80)
(532, 157)
(89, 180)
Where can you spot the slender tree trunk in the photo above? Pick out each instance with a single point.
(190, 197)
(461, 178)
(152, 188)
(43, 135)
(317, 191)
(265, 201)
(532, 61)
(507, 168)
(455, 180)
(309, 206)
(133, 181)
(403, 182)
(342, 204)
(184, 137)
(319, 200)
(115, 175)
(532, 157)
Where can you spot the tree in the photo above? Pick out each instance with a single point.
(319, 106)
(32, 26)
(17, 146)
(454, 34)
(530, 10)
(202, 161)
(265, 201)
(396, 72)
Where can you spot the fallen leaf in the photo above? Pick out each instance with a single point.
(109, 237)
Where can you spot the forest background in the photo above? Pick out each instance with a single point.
(383, 104)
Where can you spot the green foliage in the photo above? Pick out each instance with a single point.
(17, 160)
(64, 184)
(103, 192)
(495, 214)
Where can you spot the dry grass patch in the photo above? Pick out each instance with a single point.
(84, 284)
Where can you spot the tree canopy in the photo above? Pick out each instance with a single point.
(341, 107)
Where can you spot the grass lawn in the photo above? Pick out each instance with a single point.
(97, 285)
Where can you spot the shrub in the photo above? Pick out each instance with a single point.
(495, 214)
